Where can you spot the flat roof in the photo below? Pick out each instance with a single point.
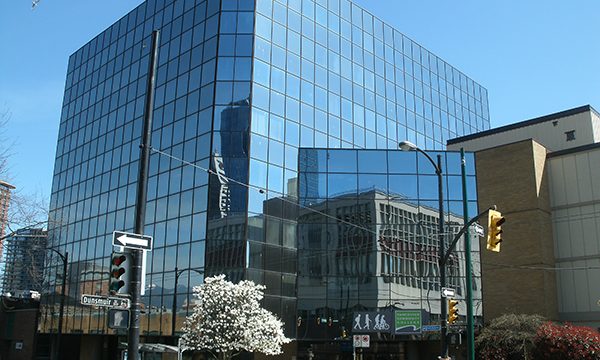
(541, 119)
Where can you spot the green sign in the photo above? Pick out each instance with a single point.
(407, 321)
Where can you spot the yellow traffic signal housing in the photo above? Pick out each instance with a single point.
(494, 235)
(452, 311)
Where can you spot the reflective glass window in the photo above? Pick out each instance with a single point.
(342, 161)
(372, 162)
(341, 184)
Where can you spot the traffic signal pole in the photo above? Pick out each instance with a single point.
(442, 244)
(140, 205)
(444, 259)
(469, 265)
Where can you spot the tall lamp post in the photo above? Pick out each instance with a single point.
(174, 310)
(65, 260)
(408, 146)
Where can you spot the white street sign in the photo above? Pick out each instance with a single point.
(105, 301)
(478, 229)
(448, 292)
(361, 341)
(132, 241)
(357, 341)
(366, 341)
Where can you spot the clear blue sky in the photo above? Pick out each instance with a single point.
(534, 57)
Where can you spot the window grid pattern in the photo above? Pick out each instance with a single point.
(368, 235)
(96, 167)
(241, 84)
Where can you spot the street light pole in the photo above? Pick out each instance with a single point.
(65, 260)
(468, 267)
(174, 309)
(406, 146)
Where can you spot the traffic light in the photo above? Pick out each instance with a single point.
(494, 236)
(452, 311)
(119, 273)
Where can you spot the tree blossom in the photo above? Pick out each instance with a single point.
(228, 319)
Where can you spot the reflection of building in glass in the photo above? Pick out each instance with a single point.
(379, 240)
(369, 240)
(85, 277)
(240, 87)
(24, 261)
(230, 160)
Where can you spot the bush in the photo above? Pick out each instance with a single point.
(558, 342)
(508, 337)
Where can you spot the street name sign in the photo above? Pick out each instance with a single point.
(132, 241)
(448, 292)
(432, 328)
(105, 301)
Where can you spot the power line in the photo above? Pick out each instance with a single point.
(283, 198)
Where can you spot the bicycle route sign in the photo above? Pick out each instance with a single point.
(373, 321)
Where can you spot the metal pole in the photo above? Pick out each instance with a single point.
(140, 205)
(443, 305)
(174, 310)
(65, 260)
(468, 267)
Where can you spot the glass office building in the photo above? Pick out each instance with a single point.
(241, 86)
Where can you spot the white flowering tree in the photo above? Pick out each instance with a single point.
(228, 319)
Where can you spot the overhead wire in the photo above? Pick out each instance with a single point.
(282, 197)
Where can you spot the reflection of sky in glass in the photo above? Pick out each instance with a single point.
(345, 176)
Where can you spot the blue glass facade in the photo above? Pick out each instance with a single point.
(241, 86)
(368, 239)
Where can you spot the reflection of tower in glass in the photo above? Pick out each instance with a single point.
(223, 184)
(309, 185)
(230, 160)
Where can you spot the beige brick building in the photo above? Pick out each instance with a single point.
(543, 175)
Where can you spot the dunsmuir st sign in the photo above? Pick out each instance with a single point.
(105, 301)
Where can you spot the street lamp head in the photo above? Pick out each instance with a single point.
(407, 146)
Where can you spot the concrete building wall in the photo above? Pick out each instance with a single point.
(576, 222)
(514, 178)
(596, 126)
(552, 133)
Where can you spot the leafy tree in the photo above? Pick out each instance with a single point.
(228, 319)
(558, 342)
(508, 337)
